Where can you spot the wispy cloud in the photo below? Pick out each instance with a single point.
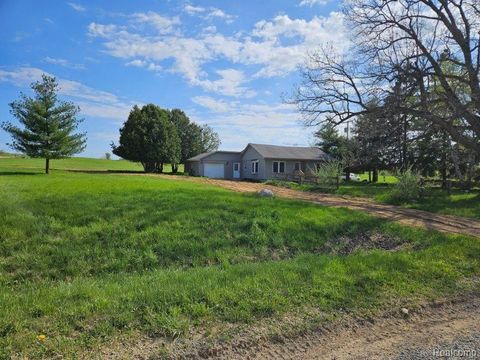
(76, 7)
(192, 10)
(239, 123)
(64, 63)
(218, 106)
(92, 102)
(313, 2)
(209, 13)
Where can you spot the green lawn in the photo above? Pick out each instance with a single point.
(86, 259)
(458, 202)
(76, 163)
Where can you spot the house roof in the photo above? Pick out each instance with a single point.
(289, 152)
(207, 154)
(274, 152)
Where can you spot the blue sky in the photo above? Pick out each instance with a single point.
(225, 63)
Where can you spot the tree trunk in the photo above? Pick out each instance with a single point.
(174, 168)
(375, 175)
(347, 174)
(443, 169)
(404, 144)
(443, 172)
(369, 176)
(47, 166)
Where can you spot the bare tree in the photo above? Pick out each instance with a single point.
(401, 55)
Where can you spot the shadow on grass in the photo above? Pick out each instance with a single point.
(5, 173)
(119, 172)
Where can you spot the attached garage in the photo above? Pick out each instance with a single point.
(214, 170)
(215, 164)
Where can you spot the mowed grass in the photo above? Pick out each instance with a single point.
(89, 258)
(9, 162)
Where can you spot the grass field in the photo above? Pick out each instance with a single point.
(87, 259)
(77, 163)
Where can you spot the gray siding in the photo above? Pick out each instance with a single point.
(289, 167)
(265, 166)
(193, 168)
(248, 156)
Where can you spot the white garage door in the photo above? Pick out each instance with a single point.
(213, 171)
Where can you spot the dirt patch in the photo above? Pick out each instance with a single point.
(389, 335)
(345, 245)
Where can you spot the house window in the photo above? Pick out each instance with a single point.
(298, 166)
(278, 167)
(254, 166)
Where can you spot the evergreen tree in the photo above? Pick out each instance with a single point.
(48, 124)
(149, 137)
(190, 136)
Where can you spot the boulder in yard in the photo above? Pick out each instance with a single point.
(266, 193)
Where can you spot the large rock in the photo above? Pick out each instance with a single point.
(266, 193)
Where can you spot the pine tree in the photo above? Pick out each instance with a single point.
(48, 124)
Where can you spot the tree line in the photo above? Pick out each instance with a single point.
(409, 84)
(154, 136)
(151, 135)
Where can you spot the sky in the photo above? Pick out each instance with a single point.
(228, 64)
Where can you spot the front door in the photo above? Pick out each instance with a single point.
(236, 170)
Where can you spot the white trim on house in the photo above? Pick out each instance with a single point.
(279, 167)
(254, 167)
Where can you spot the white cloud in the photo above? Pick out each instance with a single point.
(208, 13)
(239, 123)
(163, 24)
(313, 2)
(218, 106)
(137, 63)
(92, 102)
(192, 10)
(272, 48)
(145, 64)
(76, 7)
(230, 84)
(218, 13)
(63, 62)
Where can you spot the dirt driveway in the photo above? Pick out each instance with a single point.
(413, 217)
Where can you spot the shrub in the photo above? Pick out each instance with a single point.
(408, 188)
(328, 174)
